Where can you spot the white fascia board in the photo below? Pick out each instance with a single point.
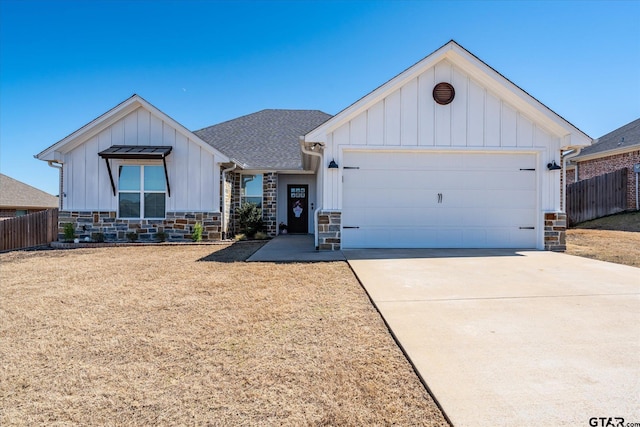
(50, 156)
(96, 126)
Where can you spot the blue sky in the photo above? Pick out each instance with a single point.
(64, 63)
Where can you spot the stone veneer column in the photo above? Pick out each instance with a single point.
(228, 184)
(555, 230)
(329, 230)
(235, 204)
(270, 202)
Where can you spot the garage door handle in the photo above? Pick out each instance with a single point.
(346, 226)
(527, 228)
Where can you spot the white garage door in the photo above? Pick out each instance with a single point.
(438, 200)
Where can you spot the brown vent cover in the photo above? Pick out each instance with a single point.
(443, 93)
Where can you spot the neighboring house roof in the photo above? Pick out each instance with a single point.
(54, 152)
(625, 138)
(16, 194)
(481, 72)
(268, 139)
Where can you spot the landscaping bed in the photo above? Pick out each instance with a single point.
(156, 335)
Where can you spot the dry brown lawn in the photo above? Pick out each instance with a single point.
(153, 336)
(621, 247)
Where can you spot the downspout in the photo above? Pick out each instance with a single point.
(565, 161)
(320, 196)
(224, 200)
(60, 186)
(637, 201)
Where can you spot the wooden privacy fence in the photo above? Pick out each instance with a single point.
(597, 197)
(26, 231)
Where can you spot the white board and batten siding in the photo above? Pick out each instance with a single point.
(453, 149)
(193, 173)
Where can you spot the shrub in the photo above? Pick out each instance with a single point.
(98, 237)
(69, 232)
(132, 236)
(260, 235)
(249, 218)
(161, 235)
(196, 236)
(240, 237)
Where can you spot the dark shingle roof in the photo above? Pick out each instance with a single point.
(16, 194)
(625, 136)
(268, 139)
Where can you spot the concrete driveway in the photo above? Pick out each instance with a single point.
(505, 337)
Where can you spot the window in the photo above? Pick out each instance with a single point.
(141, 192)
(21, 212)
(251, 189)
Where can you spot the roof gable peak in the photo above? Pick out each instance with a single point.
(107, 119)
(475, 68)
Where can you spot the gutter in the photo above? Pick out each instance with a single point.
(321, 178)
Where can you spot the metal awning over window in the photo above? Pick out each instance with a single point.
(137, 152)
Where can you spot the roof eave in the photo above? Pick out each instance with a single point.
(607, 153)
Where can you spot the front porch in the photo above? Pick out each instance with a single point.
(294, 248)
(286, 198)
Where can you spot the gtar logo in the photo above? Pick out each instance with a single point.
(606, 422)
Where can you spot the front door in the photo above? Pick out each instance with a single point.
(297, 208)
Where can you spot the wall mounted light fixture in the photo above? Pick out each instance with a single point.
(333, 165)
(553, 166)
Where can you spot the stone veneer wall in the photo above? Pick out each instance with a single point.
(329, 230)
(270, 203)
(555, 230)
(177, 225)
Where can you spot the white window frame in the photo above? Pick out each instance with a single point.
(243, 197)
(142, 191)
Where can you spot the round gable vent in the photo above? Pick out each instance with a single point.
(443, 93)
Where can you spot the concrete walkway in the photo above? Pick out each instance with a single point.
(294, 248)
(508, 338)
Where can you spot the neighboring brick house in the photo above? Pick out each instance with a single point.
(614, 151)
(18, 198)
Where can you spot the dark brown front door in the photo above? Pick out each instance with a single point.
(297, 208)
